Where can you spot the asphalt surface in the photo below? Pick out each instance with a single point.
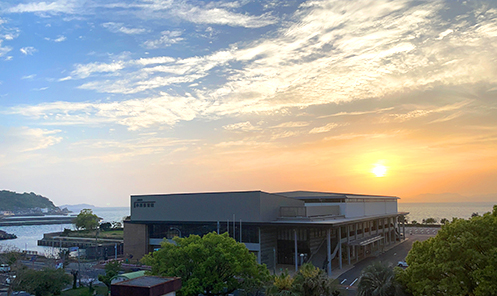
(349, 279)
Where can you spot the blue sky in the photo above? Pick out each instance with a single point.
(103, 99)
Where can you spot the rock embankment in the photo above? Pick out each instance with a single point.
(4, 235)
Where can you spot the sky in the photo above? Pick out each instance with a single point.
(100, 100)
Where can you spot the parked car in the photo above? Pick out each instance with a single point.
(402, 264)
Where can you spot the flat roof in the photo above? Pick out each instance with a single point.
(306, 195)
(145, 281)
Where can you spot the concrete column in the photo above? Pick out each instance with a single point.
(389, 231)
(356, 254)
(384, 232)
(404, 227)
(377, 226)
(328, 240)
(260, 249)
(348, 246)
(296, 250)
(355, 231)
(340, 247)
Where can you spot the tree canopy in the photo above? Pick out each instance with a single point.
(48, 281)
(112, 269)
(214, 264)
(460, 260)
(86, 220)
(10, 200)
(378, 279)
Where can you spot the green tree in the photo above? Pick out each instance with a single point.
(378, 279)
(282, 285)
(430, 221)
(112, 269)
(460, 260)
(214, 264)
(86, 220)
(48, 281)
(312, 281)
(444, 221)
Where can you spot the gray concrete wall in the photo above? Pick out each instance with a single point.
(203, 207)
(391, 207)
(270, 205)
(375, 208)
(323, 210)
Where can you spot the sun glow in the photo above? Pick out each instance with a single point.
(379, 170)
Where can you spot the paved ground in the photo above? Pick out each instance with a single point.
(349, 279)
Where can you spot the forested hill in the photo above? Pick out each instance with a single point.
(13, 201)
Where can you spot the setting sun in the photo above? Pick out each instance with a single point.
(379, 170)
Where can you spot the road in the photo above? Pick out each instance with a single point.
(350, 278)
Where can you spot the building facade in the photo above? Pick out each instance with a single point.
(286, 228)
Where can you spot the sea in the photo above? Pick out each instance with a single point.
(27, 236)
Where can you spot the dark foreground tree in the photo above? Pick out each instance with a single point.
(48, 281)
(312, 281)
(378, 279)
(214, 264)
(86, 220)
(460, 260)
(112, 269)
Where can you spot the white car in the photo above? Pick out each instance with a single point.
(402, 264)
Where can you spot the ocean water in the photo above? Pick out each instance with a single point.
(28, 236)
(448, 210)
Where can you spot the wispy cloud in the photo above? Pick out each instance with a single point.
(57, 40)
(241, 126)
(61, 6)
(167, 39)
(26, 139)
(323, 129)
(28, 50)
(120, 28)
(326, 53)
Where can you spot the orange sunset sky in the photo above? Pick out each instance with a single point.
(99, 101)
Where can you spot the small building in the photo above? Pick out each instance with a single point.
(127, 276)
(147, 286)
(286, 228)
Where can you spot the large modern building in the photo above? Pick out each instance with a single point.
(327, 229)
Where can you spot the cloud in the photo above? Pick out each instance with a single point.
(28, 50)
(61, 6)
(135, 114)
(167, 39)
(324, 129)
(24, 139)
(58, 39)
(119, 28)
(327, 52)
(29, 76)
(4, 49)
(291, 124)
(241, 126)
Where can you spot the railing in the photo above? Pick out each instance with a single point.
(293, 212)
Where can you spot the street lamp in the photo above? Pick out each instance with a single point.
(174, 228)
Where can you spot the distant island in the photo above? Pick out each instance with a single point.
(23, 204)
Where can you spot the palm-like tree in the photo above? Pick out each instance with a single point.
(378, 279)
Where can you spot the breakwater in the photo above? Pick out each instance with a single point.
(94, 248)
(41, 220)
